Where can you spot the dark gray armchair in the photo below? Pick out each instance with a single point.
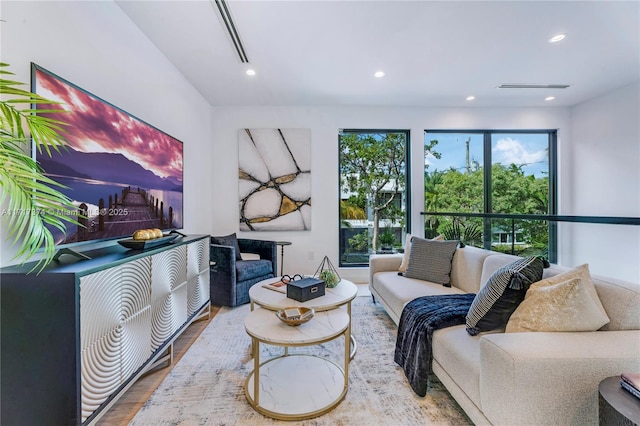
(230, 277)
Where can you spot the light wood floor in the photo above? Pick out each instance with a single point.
(123, 411)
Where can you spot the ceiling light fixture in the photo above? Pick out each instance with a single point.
(556, 38)
(250, 72)
(378, 74)
(549, 98)
(470, 98)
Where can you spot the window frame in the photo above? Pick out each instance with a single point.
(407, 189)
(487, 162)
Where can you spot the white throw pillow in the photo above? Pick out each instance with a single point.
(565, 306)
(407, 251)
(250, 256)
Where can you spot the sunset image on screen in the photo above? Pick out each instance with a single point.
(126, 173)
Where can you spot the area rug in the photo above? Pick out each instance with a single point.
(207, 386)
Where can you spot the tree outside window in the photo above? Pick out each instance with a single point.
(373, 191)
(488, 172)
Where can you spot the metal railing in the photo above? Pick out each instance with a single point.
(517, 233)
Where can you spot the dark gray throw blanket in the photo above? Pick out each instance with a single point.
(419, 319)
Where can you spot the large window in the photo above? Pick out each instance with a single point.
(373, 193)
(473, 179)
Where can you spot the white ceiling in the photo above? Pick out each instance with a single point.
(434, 53)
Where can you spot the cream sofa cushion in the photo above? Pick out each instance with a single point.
(396, 291)
(467, 266)
(565, 306)
(459, 355)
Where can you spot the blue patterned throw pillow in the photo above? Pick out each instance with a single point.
(501, 295)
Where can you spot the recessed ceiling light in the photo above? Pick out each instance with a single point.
(251, 72)
(379, 74)
(556, 38)
(549, 98)
(470, 98)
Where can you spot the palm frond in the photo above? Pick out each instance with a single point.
(33, 199)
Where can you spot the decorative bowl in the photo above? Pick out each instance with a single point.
(132, 244)
(294, 316)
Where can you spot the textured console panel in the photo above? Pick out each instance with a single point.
(115, 329)
(197, 275)
(168, 294)
(197, 258)
(100, 370)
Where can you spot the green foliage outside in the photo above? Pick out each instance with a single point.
(469, 232)
(359, 243)
(387, 238)
(350, 210)
(373, 171)
(513, 192)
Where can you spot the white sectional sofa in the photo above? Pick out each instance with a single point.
(529, 378)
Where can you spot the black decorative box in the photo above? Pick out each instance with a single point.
(305, 289)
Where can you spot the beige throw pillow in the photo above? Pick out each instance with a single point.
(565, 306)
(407, 251)
(581, 272)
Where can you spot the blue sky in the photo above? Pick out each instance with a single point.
(528, 150)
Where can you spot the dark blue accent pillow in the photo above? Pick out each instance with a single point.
(228, 240)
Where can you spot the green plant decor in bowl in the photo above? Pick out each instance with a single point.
(330, 278)
(327, 273)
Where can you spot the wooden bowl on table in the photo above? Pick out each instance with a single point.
(294, 316)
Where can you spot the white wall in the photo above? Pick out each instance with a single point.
(604, 180)
(96, 46)
(309, 247)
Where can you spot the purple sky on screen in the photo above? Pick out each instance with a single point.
(96, 126)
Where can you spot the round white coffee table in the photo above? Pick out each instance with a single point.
(333, 298)
(296, 386)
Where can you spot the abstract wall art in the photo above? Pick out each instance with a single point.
(275, 179)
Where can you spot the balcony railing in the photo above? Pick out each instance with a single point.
(519, 234)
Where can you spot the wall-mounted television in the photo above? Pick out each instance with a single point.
(122, 173)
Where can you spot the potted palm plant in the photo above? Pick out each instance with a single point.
(29, 199)
(387, 239)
